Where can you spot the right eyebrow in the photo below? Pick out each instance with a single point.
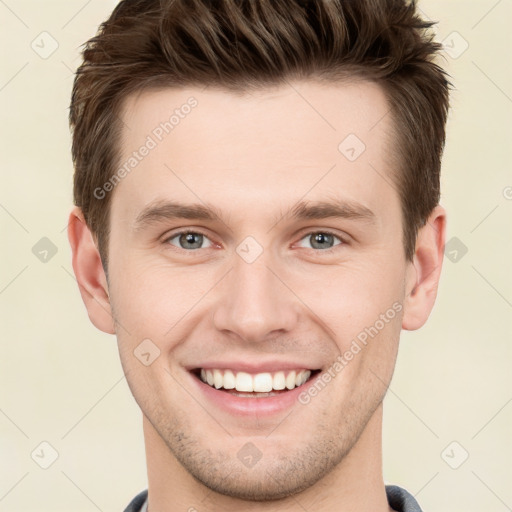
(167, 210)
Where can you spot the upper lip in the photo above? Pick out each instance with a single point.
(253, 367)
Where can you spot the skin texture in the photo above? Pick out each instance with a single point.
(253, 157)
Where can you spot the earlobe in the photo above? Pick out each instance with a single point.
(424, 271)
(89, 272)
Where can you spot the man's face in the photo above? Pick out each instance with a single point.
(259, 288)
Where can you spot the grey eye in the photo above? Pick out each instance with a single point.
(321, 240)
(189, 240)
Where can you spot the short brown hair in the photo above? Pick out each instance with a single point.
(243, 44)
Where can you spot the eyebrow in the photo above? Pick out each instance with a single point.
(161, 211)
(338, 209)
(168, 210)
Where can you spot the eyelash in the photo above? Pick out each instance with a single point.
(309, 233)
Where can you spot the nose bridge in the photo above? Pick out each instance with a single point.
(253, 303)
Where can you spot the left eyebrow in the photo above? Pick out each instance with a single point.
(339, 209)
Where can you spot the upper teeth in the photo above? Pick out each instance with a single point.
(260, 382)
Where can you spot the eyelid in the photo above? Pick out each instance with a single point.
(173, 234)
(341, 238)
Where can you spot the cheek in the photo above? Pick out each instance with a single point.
(150, 298)
(361, 310)
(348, 299)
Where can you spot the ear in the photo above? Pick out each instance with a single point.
(424, 271)
(89, 272)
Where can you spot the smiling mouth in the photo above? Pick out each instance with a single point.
(260, 385)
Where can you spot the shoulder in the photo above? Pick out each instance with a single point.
(137, 502)
(400, 500)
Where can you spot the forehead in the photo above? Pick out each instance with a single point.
(265, 148)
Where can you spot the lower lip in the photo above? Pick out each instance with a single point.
(240, 406)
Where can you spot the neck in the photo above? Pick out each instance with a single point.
(355, 484)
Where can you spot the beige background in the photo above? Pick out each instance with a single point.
(61, 381)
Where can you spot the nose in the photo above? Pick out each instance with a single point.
(254, 304)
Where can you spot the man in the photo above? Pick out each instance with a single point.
(257, 218)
